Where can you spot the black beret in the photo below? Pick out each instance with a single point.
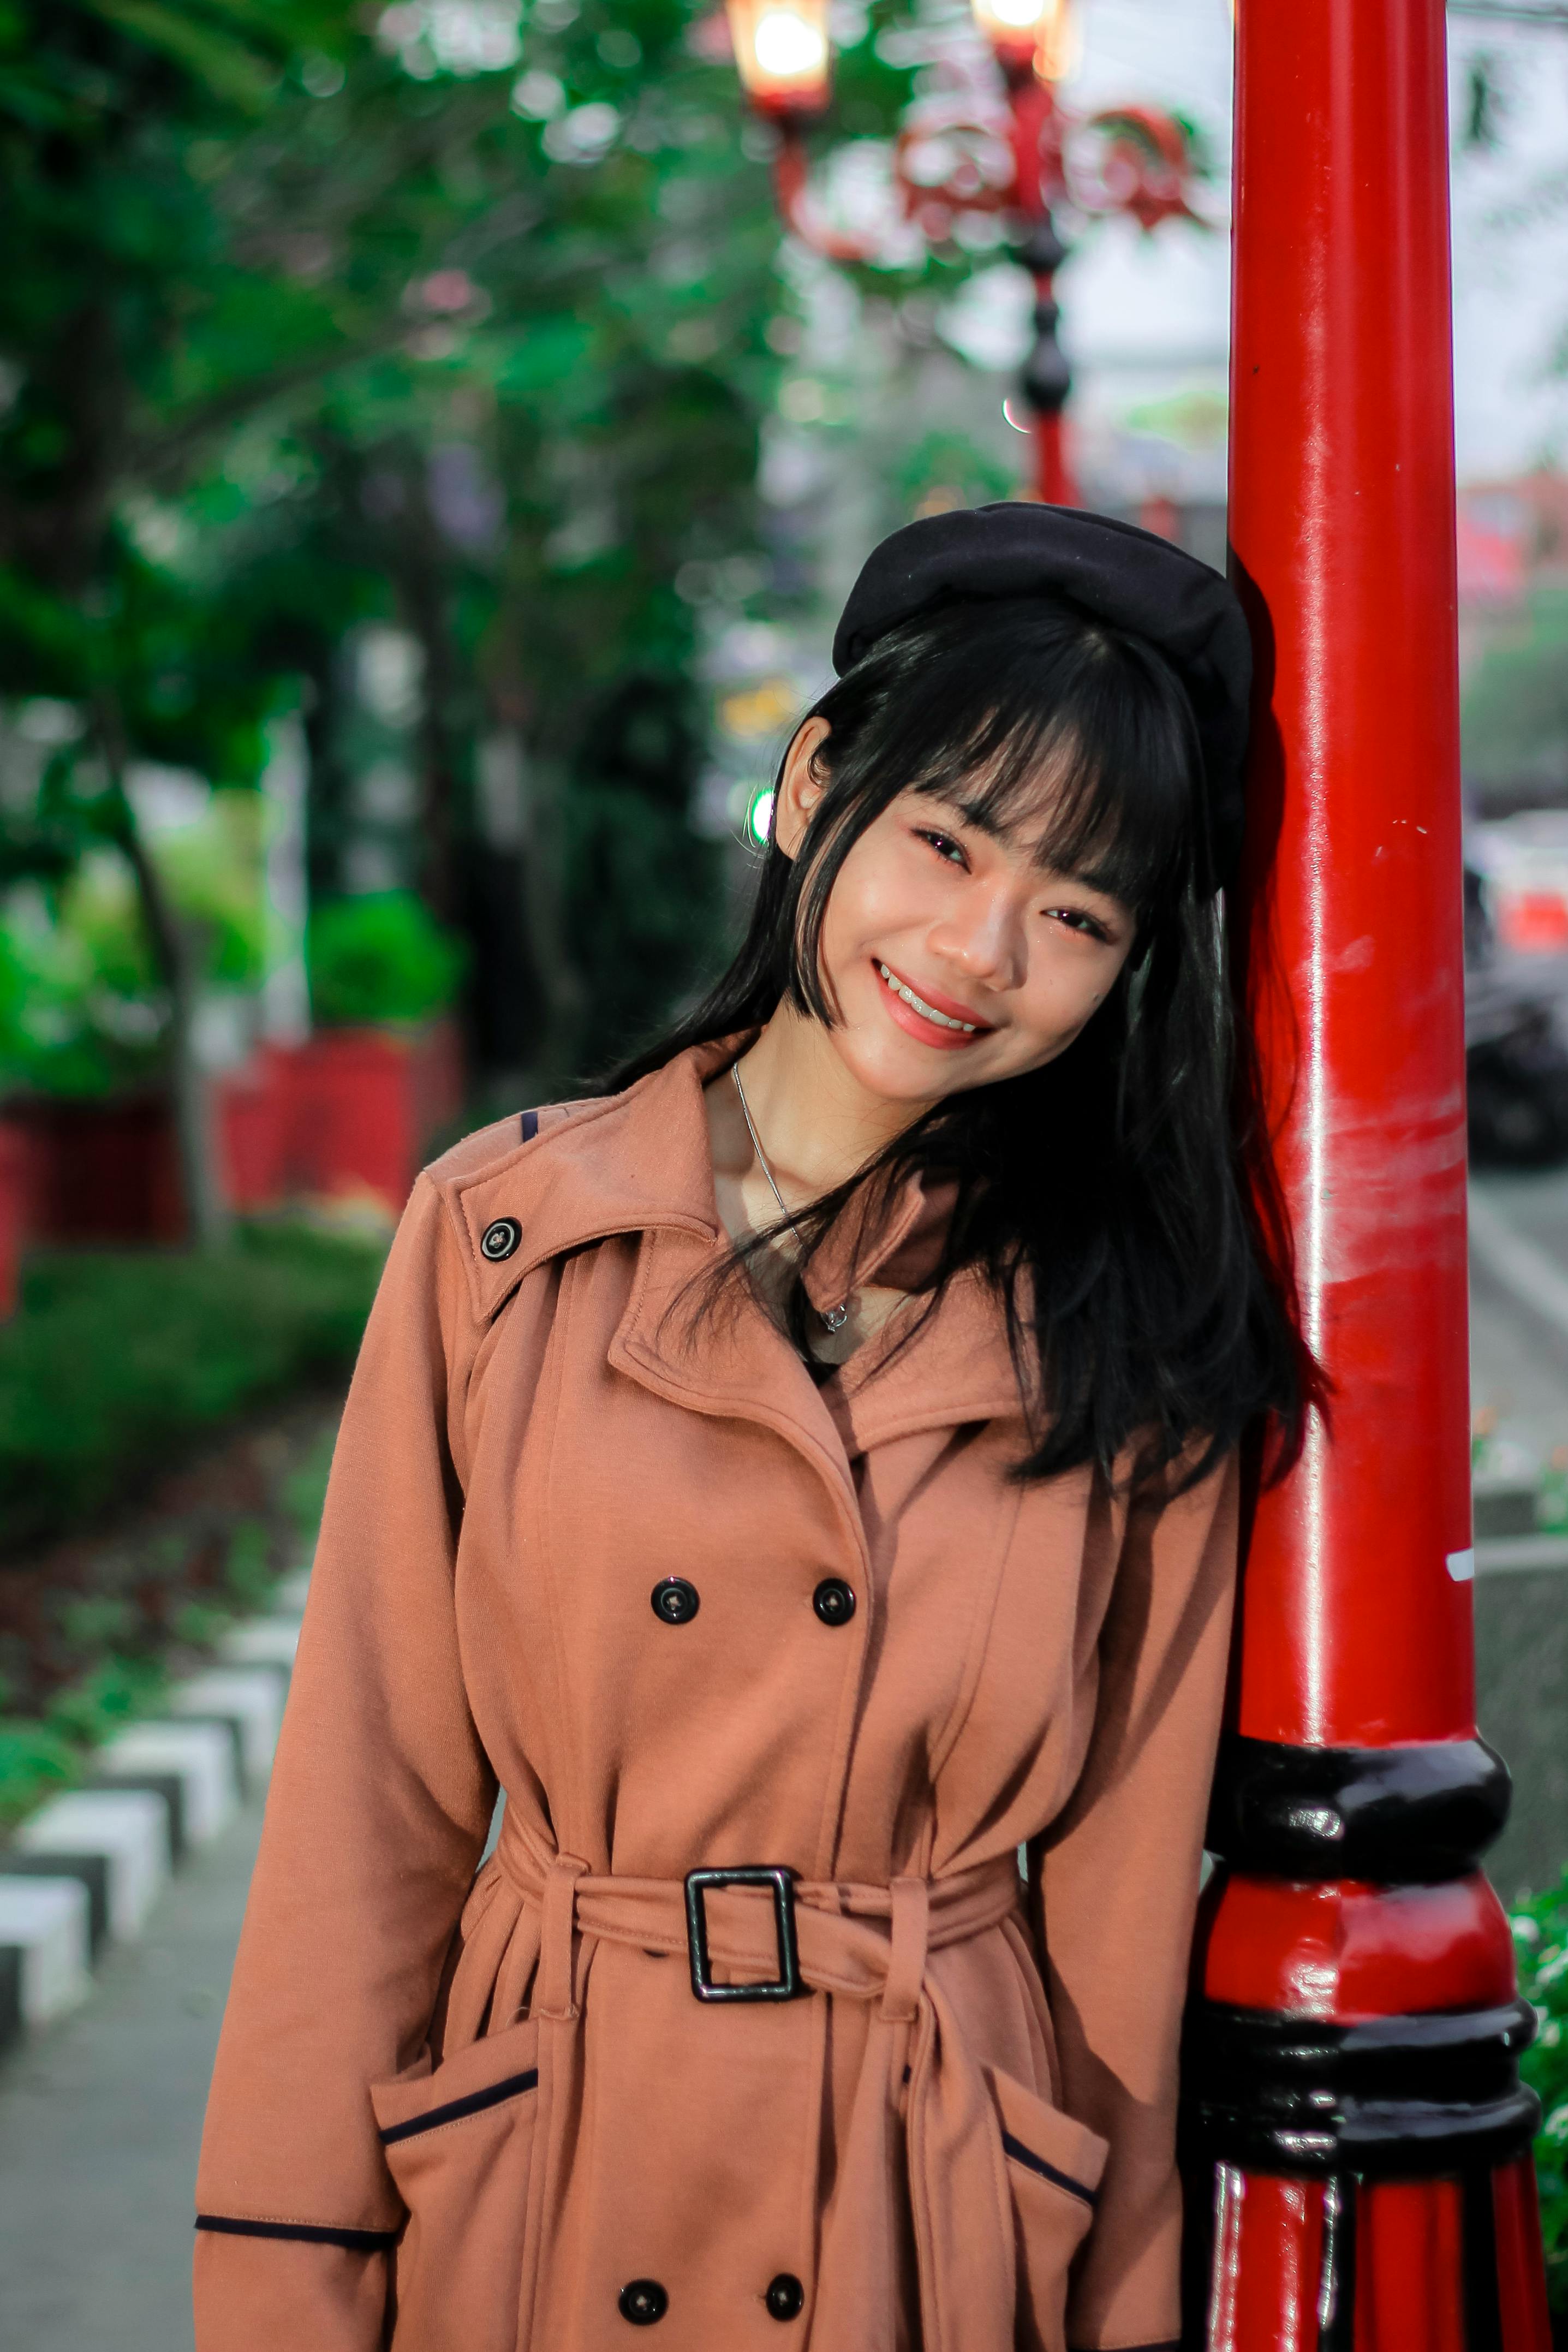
(1112, 569)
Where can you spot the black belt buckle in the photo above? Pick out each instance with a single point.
(786, 1983)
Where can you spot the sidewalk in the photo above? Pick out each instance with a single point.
(100, 2121)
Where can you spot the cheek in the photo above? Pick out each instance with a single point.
(1066, 987)
(880, 892)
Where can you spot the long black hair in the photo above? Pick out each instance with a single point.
(1104, 1195)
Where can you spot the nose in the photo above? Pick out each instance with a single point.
(983, 939)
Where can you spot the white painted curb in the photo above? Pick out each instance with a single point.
(221, 1729)
(288, 1595)
(268, 1641)
(128, 1827)
(46, 1919)
(249, 1696)
(200, 1755)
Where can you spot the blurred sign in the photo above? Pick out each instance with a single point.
(1523, 864)
(1494, 539)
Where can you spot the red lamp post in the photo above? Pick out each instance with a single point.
(1023, 157)
(1357, 2136)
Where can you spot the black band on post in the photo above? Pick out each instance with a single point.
(1407, 1816)
(1398, 2096)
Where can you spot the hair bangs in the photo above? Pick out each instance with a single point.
(1086, 754)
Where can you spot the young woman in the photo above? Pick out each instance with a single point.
(799, 1479)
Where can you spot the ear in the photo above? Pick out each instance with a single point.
(799, 787)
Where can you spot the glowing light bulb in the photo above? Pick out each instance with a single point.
(787, 47)
(783, 53)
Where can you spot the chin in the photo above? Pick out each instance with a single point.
(894, 1077)
(893, 1066)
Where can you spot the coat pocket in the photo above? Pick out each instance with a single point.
(1053, 2167)
(459, 2143)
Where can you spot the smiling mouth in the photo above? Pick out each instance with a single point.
(907, 995)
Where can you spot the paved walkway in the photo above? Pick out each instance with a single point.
(99, 2122)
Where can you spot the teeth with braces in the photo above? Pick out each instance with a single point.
(926, 1012)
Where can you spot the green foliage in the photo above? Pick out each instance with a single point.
(1541, 1939)
(642, 897)
(35, 1762)
(1515, 712)
(312, 317)
(81, 1007)
(104, 1701)
(381, 957)
(949, 470)
(247, 1571)
(305, 1490)
(117, 1360)
(40, 1758)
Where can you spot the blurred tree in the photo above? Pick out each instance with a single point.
(431, 316)
(1515, 708)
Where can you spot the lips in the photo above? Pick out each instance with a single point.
(927, 1013)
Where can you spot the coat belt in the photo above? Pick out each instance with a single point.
(865, 1943)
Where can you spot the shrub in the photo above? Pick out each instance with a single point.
(119, 1361)
(34, 1763)
(381, 957)
(1540, 1939)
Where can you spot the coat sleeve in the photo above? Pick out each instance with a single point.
(1117, 1880)
(380, 1804)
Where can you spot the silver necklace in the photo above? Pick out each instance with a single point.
(835, 1318)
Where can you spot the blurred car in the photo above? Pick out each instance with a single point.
(1516, 1055)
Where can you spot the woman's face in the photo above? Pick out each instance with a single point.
(955, 959)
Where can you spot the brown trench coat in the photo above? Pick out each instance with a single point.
(485, 2112)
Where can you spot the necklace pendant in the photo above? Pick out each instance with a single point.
(835, 1318)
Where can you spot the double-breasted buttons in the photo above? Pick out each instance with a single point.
(786, 2298)
(500, 1240)
(643, 2301)
(833, 1601)
(674, 1600)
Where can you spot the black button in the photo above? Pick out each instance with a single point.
(676, 1601)
(500, 1240)
(833, 1602)
(786, 2298)
(643, 2301)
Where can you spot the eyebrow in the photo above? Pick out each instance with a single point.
(975, 814)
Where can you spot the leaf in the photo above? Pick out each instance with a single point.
(227, 68)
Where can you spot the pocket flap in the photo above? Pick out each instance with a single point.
(500, 2067)
(1046, 2143)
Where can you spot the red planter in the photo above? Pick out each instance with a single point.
(351, 1128)
(347, 1114)
(253, 1130)
(98, 1172)
(16, 1170)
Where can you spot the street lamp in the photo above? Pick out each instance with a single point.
(1030, 36)
(1023, 156)
(783, 53)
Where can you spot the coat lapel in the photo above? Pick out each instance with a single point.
(639, 1164)
(956, 1368)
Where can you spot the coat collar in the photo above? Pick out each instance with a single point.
(640, 1162)
(626, 1164)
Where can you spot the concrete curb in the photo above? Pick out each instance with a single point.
(44, 1924)
(115, 1839)
(85, 1870)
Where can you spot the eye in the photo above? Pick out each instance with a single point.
(1079, 919)
(945, 845)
